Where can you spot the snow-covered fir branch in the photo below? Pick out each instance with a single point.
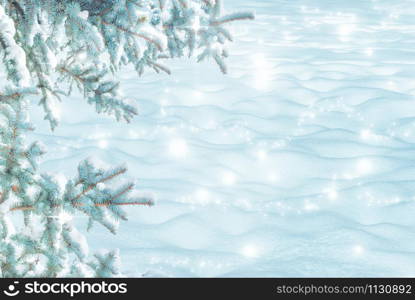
(48, 48)
(48, 44)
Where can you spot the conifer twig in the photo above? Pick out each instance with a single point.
(92, 186)
(158, 45)
(148, 202)
(231, 18)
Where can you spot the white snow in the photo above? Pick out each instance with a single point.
(13, 53)
(299, 162)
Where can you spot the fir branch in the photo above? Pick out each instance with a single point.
(17, 95)
(43, 46)
(144, 202)
(232, 18)
(139, 35)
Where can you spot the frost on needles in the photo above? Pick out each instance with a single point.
(47, 49)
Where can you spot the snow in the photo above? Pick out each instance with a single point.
(13, 53)
(298, 162)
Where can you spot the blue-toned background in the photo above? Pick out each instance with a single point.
(299, 162)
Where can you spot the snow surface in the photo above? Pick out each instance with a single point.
(299, 162)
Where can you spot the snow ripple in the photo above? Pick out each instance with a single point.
(300, 162)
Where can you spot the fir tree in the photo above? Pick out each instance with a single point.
(48, 48)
